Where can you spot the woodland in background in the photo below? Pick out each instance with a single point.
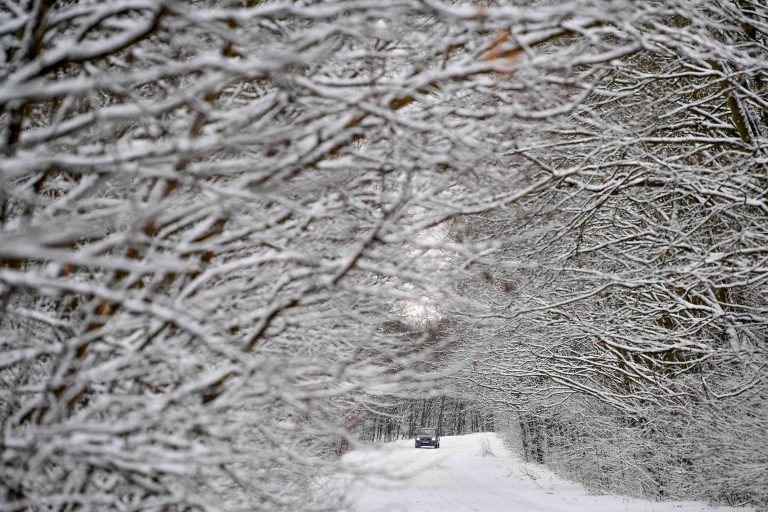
(238, 238)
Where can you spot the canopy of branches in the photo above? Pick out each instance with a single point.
(232, 230)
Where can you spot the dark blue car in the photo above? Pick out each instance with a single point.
(427, 437)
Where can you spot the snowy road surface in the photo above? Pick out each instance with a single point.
(458, 478)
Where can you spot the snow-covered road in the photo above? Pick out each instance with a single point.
(458, 477)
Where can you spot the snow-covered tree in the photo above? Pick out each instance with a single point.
(637, 280)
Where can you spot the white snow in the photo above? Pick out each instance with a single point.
(458, 477)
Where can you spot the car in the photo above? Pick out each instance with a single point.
(427, 437)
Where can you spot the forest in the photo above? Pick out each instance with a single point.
(239, 238)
